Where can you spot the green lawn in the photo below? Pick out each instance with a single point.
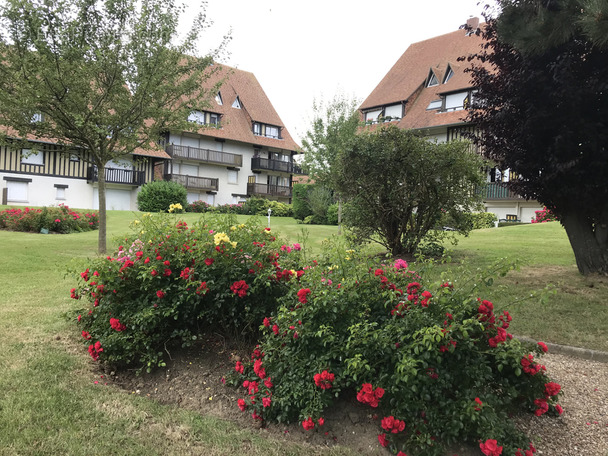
(49, 406)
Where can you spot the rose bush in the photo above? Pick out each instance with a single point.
(436, 364)
(169, 282)
(60, 219)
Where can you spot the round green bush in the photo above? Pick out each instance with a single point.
(158, 196)
(332, 214)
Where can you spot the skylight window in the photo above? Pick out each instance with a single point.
(435, 104)
(218, 99)
(237, 103)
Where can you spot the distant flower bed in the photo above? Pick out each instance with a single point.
(59, 219)
(544, 216)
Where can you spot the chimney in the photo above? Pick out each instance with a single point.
(473, 23)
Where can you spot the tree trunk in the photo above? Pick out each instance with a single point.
(339, 216)
(588, 242)
(101, 179)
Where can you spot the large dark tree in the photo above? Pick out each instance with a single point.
(544, 115)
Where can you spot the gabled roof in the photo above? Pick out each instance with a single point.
(407, 79)
(236, 124)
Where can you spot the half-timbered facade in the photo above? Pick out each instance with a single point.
(238, 149)
(428, 90)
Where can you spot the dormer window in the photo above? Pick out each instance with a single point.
(432, 79)
(204, 118)
(448, 75)
(269, 131)
(218, 99)
(237, 103)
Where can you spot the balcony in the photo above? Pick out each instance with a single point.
(269, 190)
(205, 155)
(194, 182)
(497, 191)
(266, 164)
(117, 176)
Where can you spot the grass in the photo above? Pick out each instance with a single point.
(49, 404)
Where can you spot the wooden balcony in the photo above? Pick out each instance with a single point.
(117, 176)
(266, 164)
(498, 191)
(194, 182)
(269, 190)
(205, 155)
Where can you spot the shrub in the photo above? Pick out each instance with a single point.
(435, 364)
(260, 206)
(59, 219)
(483, 220)
(170, 282)
(332, 214)
(301, 208)
(319, 199)
(198, 206)
(544, 216)
(158, 196)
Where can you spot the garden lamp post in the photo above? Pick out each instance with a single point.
(269, 212)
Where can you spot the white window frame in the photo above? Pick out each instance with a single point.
(233, 176)
(17, 191)
(29, 157)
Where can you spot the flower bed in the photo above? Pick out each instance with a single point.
(435, 364)
(170, 282)
(59, 219)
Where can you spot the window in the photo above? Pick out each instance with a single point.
(29, 157)
(435, 104)
(432, 79)
(192, 197)
(270, 131)
(218, 99)
(17, 191)
(455, 101)
(372, 116)
(394, 111)
(233, 176)
(448, 74)
(214, 119)
(60, 191)
(237, 103)
(210, 199)
(197, 117)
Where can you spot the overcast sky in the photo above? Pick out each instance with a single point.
(305, 50)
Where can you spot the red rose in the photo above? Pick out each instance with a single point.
(543, 347)
(490, 448)
(161, 294)
(382, 439)
(308, 424)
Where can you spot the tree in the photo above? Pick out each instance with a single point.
(334, 125)
(544, 115)
(534, 26)
(100, 78)
(399, 184)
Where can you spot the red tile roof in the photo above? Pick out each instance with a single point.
(406, 80)
(236, 124)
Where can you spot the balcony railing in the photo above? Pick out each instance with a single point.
(498, 190)
(205, 155)
(266, 164)
(269, 190)
(117, 176)
(194, 182)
